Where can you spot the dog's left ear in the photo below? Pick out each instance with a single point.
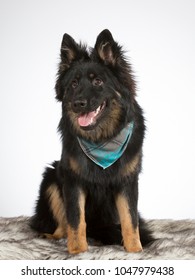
(107, 48)
(109, 52)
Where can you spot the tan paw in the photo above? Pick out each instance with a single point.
(134, 246)
(76, 248)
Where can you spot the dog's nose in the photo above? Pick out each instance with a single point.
(79, 105)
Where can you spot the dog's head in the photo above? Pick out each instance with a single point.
(96, 87)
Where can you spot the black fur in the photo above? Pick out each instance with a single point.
(86, 80)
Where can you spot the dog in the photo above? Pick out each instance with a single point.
(92, 192)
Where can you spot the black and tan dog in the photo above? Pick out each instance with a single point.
(93, 190)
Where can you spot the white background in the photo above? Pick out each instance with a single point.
(160, 39)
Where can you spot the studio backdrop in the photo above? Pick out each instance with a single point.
(159, 39)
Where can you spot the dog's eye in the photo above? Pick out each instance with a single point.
(97, 82)
(74, 83)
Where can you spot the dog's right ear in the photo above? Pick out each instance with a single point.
(70, 52)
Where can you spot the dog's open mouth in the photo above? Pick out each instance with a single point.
(89, 119)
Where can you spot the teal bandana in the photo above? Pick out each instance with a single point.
(106, 153)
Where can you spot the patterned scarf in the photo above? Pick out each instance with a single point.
(106, 153)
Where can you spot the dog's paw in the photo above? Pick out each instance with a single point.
(77, 247)
(134, 246)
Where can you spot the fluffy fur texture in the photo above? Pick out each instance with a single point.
(174, 240)
(79, 199)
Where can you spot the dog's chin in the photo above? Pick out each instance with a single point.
(89, 121)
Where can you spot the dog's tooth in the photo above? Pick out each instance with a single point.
(97, 110)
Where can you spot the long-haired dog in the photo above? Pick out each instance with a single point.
(93, 190)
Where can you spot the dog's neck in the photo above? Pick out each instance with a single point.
(106, 153)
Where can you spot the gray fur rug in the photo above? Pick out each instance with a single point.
(175, 240)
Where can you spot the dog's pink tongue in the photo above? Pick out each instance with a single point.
(86, 119)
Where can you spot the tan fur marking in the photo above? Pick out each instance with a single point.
(130, 234)
(118, 93)
(74, 165)
(57, 207)
(105, 52)
(131, 166)
(112, 120)
(91, 75)
(69, 52)
(58, 233)
(77, 241)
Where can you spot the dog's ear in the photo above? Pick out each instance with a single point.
(107, 49)
(70, 52)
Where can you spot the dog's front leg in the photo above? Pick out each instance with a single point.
(129, 223)
(76, 225)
